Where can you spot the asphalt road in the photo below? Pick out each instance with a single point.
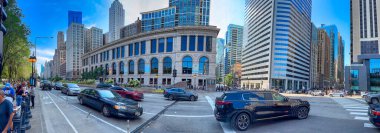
(64, 114)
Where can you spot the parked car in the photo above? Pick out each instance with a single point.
(104, 85)
(180, 94)
(128, 93)
(373, 98)
(336, 94)
(110, 103)
(364, 94)
(46, 85)
(241, 108)
(58, 85)
(70, 89)
(317, 93)
(374, 114)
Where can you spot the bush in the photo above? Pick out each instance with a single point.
(109, 81)
(87, 82)
(134, 83)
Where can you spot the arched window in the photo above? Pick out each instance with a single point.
(141, 66)
(154, 66)
(113, 68)
(187, 65)
(203, 65)
(107, 69)
(167, 65)
(101, 70)
(131, 67)
(121, 67)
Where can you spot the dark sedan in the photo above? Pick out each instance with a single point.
(128, 93)
(110, 103)
(58, 85)
(180, 94)
(374, 114)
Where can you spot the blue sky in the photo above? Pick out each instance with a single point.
(47, 17)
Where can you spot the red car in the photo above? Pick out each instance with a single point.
(128, 93)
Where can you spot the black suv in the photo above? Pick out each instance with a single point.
(241, 108)
(46, 85)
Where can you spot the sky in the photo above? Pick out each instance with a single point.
(47, 17)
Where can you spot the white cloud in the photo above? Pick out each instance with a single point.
(88, 26)
(45, 52)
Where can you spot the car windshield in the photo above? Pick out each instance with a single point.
(73, 85)
(108, 94)
(128, 89)
(58, 83)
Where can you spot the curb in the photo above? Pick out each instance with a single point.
(148, 122)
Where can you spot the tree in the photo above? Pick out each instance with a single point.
(228, 79)
(16, 50)
(134, 83)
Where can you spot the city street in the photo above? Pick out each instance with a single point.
(64, 114)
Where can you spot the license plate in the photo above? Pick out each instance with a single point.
(137, 113)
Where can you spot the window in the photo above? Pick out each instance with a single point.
(122, 51)
(208, 43)
(203, 65)
(121, 67)
(141, 66)
(142, 47)
(253, 96)
(107, 69)
(187, 65)
(161, 45)
(192, 43)
(113, 53)
(169, 44)
(131, 67)
(137, 50)
(183, 43)
(354, 73)
(153, 46)
(167, 65)
(118, 52)
(108, 53)
(130, 51)
(200, 43)
(154, 66)
(278, 97)
(114, 68)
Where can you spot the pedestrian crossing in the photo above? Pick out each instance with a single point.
(358, 110)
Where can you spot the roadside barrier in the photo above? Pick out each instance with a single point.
(21, 118)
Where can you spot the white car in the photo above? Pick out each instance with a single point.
(336, 94)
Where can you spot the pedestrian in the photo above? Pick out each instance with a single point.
(6, 114)
(19, 94)
(32, 95)
(9, 92)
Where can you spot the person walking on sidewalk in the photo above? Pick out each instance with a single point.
(32, 95)
(6, 114)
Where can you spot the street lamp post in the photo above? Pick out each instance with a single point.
(33, 59)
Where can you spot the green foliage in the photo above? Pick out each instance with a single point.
(134, 83)
(16, 50)
(93, 74)
(109, 81)
(228, 79)
(56, 79)
(87, 82)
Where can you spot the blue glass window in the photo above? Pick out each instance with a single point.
(113, 68)
(187, 65)
(141, 66)
(107, 69)
(209, 43)
(169, 44)
(192, 43)
(161, 45)
(282, 59)
(153, 46)
(203, 66)
(281, 44)
(143, 47)
(131, 67)
(280, 64)
(108, 53)
(118, 52)
(282, 29)
(113, 53)
(154, 66)
(281, 49)
(374, 74)
(167, 65)
(137, 48)
(121, 67)
(130, 51)
(281, 54)
(200, 43)
(183, 43)
(122, 51)
(281, 39)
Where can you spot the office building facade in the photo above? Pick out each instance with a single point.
(219, 59)
(116, 20)
(74, 50)
(234, 43)
(131, 29)
(276, 51)
(324, 60)
(314, 57)
(74, 17)
(93, 39)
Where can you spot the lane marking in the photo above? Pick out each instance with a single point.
(357, 110)
(67, 120)
(370, 125)
(189, 116)
(356, 107)
(118, 128)
(358, 113)
(361, 118)
(224, 125)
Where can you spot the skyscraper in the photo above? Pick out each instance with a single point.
(314, 57)
(234, 43)
(324, 59)
(93, 39)
(61, 53)
(74, 50)
(219, 58)
(116, 20)
(276, 51)
(75, 17)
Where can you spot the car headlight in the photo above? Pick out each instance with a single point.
(117, 107)
(139, 105)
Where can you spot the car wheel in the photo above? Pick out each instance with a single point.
(374, 101)
(241, 122)
(341, 96)
(81, 101)
(302, 113)
(171, 97)
(106, 111)
(192, 98)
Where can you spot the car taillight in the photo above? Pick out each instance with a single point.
(223, 103)
(375, 113)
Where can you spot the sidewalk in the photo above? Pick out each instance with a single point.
(37, 121)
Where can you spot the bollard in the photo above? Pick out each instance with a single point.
(29, 112)
(22, 124)
(17, 120)
(26, 125)
(128, 126)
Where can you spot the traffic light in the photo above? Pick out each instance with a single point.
(3, 15)
(174, 73)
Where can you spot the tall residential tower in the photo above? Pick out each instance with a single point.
(116, 20)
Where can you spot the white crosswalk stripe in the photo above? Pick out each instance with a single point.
(356, 109)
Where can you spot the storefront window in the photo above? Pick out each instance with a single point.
(374, 74)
